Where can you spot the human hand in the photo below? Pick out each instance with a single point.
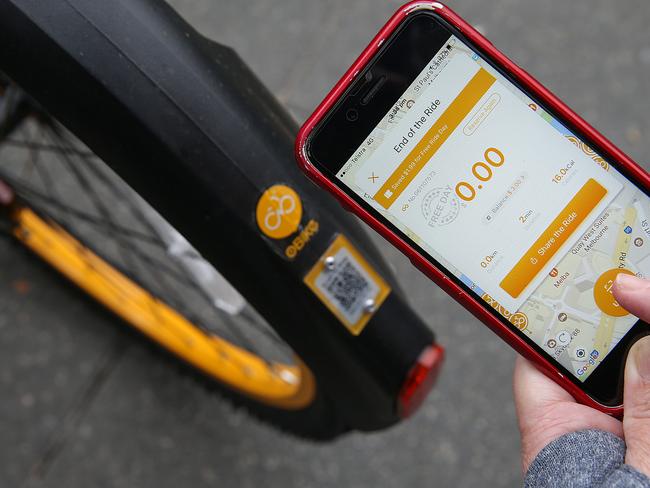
(633, 294)
(546, 411)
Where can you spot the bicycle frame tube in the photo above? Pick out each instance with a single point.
(186, 124)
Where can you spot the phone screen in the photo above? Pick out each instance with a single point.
(522, 211)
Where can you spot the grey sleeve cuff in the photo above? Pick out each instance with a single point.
(587, 458)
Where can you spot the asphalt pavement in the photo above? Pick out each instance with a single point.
(83, 405)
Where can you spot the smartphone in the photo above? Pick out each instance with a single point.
(494, 188)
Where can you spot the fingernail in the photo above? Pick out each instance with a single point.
(642, 357)
(625, 282)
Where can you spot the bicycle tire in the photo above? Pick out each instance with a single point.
(294, 406)
(151, 77)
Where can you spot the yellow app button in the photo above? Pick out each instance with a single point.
(603, 295)
(553, 237)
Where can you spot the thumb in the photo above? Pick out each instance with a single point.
(634, 295)
(636, 423)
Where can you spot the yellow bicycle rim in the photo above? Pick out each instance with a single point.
(279, 385)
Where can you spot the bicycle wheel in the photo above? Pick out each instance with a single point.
(77, 215)
(192, 130)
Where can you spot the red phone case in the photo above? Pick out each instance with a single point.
(475, 306)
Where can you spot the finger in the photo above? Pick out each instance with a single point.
(633, 294)
(545, 411)
(636, 423)
(533, 389)
(537, 396)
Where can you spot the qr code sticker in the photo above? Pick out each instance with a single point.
(347, 285)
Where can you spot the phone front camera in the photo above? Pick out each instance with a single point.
(352, 115)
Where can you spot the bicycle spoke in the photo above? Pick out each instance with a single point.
(55, 164)
(43, 147)
(142, 218)
(233, 330)
(124, 250)
(109, 232)
(81, 215)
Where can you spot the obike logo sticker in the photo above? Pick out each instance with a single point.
(279, 212)
(279, 216)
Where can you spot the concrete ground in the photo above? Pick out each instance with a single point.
(83, 405)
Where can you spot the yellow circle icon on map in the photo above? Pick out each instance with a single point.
(519, 320)
(279, 212)
(603, 293)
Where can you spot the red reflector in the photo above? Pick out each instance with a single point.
(420, 380)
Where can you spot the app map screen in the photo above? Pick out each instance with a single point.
(522, 211)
